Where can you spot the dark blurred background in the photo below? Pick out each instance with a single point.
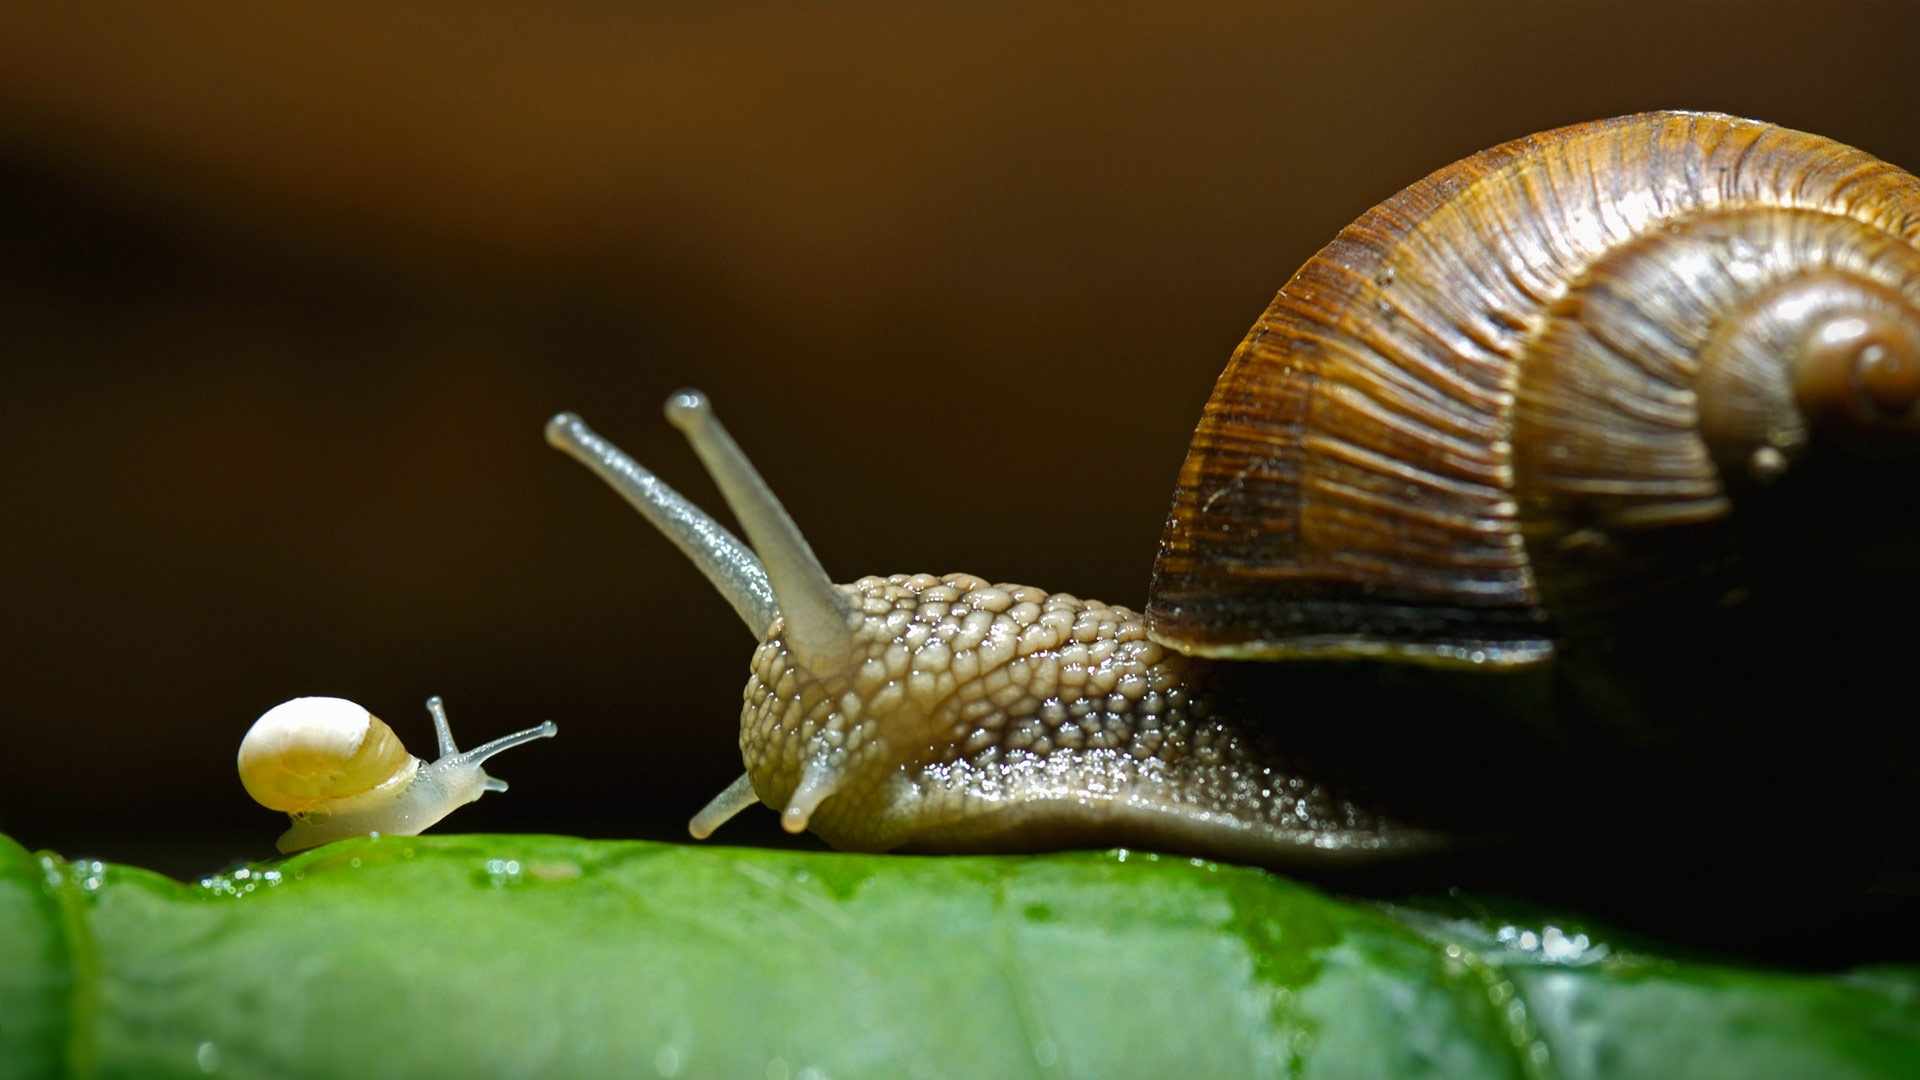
(286, 296)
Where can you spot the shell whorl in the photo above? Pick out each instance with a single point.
(1444, 392)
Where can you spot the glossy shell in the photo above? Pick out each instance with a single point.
(310, 751)
(1533, 384)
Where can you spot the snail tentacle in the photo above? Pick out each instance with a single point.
(816, 612)
(737, 797)
(819, 780)
(546, 729)
(442, 730)
(452, 758)
(730, 565)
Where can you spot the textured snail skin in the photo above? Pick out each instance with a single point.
(995, 717)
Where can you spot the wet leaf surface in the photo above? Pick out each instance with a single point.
(541, 955)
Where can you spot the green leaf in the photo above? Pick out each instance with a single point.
(46, 967)
(540, 955)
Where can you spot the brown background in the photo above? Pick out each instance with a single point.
(286, 297)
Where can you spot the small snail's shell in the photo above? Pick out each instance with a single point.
(1477, 416)
(304, 753)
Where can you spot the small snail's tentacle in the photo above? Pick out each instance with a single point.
(546, 729)
(737, 797)
(452, 755)
(442, 731)
(732, 568)
(817, 613)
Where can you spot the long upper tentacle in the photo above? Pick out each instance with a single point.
(729, 564)
(817, 613)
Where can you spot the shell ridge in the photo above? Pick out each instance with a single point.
(1417, 324)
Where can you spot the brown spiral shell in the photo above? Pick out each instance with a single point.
(1530, 388)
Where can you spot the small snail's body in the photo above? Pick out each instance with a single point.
(1567, 381)
(339, 771)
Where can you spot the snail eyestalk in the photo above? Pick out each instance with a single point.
(452, 757)
(737, 797)
(817, 613)
(442, 731)
(729, 564)
(546, 729)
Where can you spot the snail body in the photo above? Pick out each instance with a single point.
(339, 771)
(950, 714)
(1542, 392)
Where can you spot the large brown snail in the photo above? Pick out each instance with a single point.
(1547, 409)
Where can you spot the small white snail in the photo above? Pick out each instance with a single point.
(340, 771)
